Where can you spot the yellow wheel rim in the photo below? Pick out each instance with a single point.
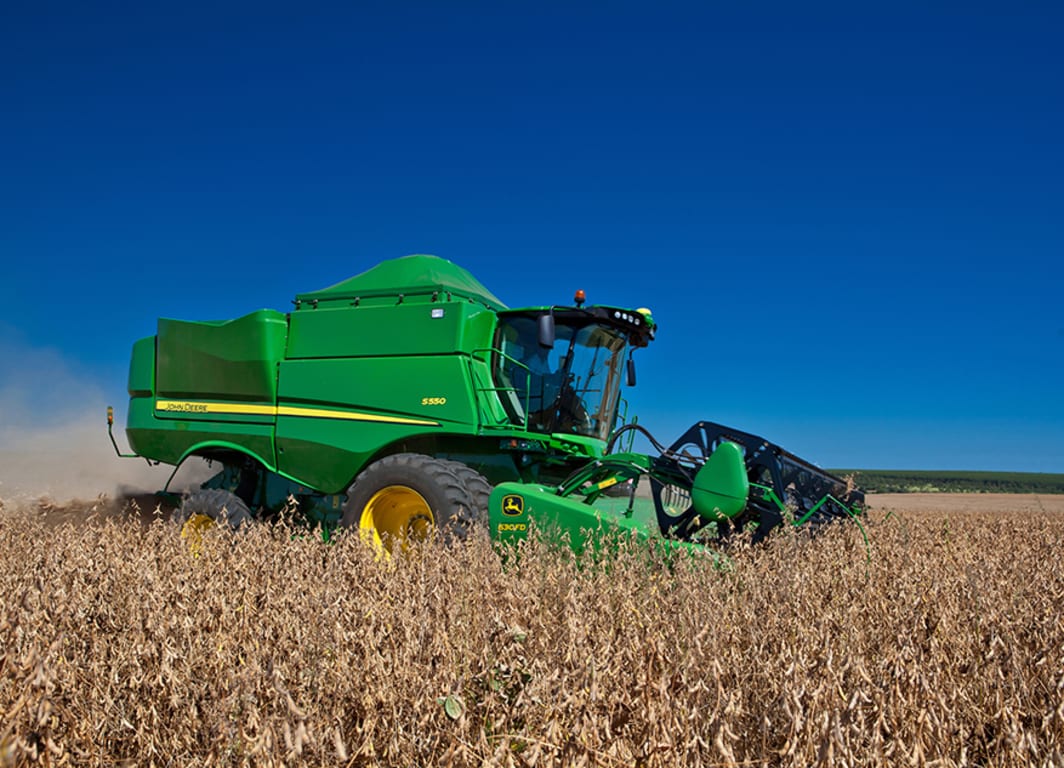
(397, 515)
(192, 532)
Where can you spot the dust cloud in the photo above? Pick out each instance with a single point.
(53, 431)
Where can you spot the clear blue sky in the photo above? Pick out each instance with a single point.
(848, 218)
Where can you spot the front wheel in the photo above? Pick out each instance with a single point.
(408, 497)
(479, 490)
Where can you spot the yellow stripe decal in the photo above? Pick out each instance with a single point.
(287, 410)
(183, 406)
(187, 407)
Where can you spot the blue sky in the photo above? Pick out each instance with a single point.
(847, 218)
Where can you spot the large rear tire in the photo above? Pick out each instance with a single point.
(409, 497)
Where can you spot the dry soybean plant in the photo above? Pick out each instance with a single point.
(943, 644)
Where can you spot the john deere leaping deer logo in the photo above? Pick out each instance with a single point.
(513, 505)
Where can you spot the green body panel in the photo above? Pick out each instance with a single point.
(142, 368)
(428, 391)
(372, 403)
(169, 439)
(233, 360)
(189, 368)
(411, 328)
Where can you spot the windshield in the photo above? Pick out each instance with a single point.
(571, 387)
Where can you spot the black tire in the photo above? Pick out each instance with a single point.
(479, 490)
(223, 507)
(408, 497)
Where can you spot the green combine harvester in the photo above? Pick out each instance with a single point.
(408, 401)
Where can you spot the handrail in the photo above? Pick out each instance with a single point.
(496, 389)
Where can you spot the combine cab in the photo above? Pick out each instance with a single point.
(409, 400)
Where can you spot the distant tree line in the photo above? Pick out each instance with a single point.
(921, 481)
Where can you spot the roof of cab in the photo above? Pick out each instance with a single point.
(409, 276)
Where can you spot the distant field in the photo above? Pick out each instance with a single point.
(918, 481)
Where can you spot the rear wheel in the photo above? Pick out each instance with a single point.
(408, 497)
(205, 509)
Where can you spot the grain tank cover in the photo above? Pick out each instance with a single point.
(418, 275)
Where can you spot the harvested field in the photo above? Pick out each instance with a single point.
(943, 644)
(948, 503)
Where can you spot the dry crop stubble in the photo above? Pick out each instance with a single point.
(944, 644)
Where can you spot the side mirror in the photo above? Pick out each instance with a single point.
(546, 330)
(631, 372)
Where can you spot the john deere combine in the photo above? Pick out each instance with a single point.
(408, 400)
